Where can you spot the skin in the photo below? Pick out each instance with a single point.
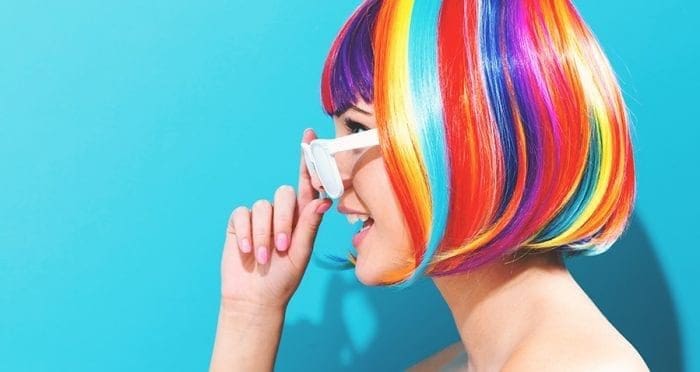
(256, 289)
(364, 176)
(523, 313)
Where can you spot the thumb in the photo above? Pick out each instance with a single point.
(304, 234)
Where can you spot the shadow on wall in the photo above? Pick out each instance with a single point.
(626, 282)
(628, 285)
(410, 325)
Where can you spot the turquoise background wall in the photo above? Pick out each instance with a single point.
(130, 130)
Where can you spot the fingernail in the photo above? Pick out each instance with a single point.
(281, 241)
(246, 245)
(262, 255)
(323, 207)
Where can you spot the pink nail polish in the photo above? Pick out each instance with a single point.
(262, 255)
(246, 245)
(323, 207)
(281, 242)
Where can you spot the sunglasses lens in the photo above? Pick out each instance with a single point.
(327, 171)
(309, 163)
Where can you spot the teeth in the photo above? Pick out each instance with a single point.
(353, 218)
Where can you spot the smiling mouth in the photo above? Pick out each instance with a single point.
(366, 226)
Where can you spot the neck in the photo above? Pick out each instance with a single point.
(497, 305)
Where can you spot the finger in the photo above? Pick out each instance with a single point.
(233, 257)
(307, 192)
(283, 215)
(231, 245)
(305, 232)
(240, 219)
(262, 221)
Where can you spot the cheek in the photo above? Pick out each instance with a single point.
(380, 263)
(387, 250)
(384, 204)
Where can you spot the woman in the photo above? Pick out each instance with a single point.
(479, 141)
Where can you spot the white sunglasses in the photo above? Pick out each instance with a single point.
(321, 162)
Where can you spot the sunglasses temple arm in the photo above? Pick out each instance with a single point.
(353, 141)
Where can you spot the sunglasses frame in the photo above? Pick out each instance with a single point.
(328, 148)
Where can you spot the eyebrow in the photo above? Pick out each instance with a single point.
(360, 110)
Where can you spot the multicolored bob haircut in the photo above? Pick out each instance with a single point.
(501, 124)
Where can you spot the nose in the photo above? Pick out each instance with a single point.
(344, 168)
(345, 177)
(346, 161)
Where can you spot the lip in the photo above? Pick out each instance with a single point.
(345, 210)
(358, 237)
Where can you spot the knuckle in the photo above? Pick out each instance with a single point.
(313, 223)
(314, 226)
(282, 222)
(261, 226)
(261, 236)
(283, 212)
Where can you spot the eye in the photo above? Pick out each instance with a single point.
(353, 126)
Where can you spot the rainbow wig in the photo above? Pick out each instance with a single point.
(501, 124)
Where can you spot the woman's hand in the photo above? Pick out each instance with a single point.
(268, 246)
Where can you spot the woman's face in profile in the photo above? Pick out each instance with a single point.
(385, 249)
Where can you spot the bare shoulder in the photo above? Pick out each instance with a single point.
(440, 359)
(576, 348)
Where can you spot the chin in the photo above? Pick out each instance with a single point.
(366, 274)
(370, 275)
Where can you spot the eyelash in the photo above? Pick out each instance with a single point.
(352, 125)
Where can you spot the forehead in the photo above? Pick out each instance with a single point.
(360, 109)
(364, 106)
